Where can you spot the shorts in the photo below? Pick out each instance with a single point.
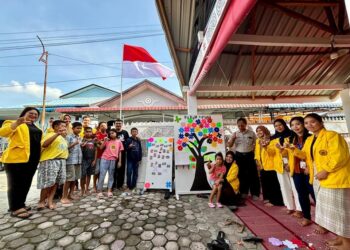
(86, 168)
(97, 166)
(51, 172)
(73, 172)
(212, 183)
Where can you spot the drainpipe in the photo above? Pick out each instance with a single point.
(235, 14)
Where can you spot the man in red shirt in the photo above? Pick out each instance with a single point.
(101, 134)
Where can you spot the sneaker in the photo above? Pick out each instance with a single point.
(211, 205)
(218, 205)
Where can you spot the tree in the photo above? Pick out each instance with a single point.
(194, 134)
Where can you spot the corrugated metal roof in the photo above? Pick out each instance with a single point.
(274, 65)
(279, 68)
(69, 102)
(202, 107)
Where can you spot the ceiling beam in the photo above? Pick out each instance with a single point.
(291, 53)
(331, 19)
(262, 100)
(297, 15)
(307, 4)
(341, 16)
(248, 88)
(340, 41)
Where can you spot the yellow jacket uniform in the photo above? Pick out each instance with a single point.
(265, 155)
(330, 153)
(18, 149)
(291, 159)
(232, 177)
(278, 156)
(58, 149)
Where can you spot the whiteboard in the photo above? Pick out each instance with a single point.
(196, 140)
(159, 163)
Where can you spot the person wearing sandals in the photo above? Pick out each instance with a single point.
(289, 192)
(217, 171)
(21, 158)
(73, 163)
(112, 153)
(327, 155)
(264, 155)
(298, 169)
(52, 167)
(88, 147)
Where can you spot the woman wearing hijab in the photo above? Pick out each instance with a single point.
(289, 193)
(230, 188)
(264, 156)
(21, 158)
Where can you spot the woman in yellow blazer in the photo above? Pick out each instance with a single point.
(298, 169)
(289, 193)
(264, 155)
(230, 189)
(328, 154)
(21, 158)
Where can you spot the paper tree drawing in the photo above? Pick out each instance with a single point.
(201, 137)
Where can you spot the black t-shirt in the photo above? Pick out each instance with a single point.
(35, 143)
(123, 135)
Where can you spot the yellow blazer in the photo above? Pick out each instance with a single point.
(18, 149)
(232, 177)
(291, 159)
(331, 153)
(265, 155)
(277, 156)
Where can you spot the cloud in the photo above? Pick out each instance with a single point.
(17, 94)
(34, 89)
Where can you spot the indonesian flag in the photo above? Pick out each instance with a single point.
(138, 63)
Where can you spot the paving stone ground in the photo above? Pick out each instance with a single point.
(124, 222)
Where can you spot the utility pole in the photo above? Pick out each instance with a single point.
(43, 58)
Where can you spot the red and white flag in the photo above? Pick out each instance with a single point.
(138, 63)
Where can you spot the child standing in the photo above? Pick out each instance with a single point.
(73, 164)
(88, 162)
(217, 171)
(134, 156)
(101, 134)
(52, 167)
(111, 154)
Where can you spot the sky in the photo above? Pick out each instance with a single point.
(134, 22)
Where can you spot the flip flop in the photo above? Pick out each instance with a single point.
(25, 215)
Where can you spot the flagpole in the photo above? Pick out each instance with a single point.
(121, 89)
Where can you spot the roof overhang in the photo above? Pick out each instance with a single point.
(284, 51)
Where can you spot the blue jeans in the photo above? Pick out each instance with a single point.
(304, 189)
(132, 174)
(106, 166)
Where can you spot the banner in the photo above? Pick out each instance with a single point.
(159, 163)
(197, 140)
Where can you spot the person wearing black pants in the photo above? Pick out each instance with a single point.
(119, 174)
(304, 189)
(271, 188)
(248, 175)
(21, 158)
(244, 145)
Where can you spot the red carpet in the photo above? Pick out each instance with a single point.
(266, 222)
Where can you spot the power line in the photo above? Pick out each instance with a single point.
(50, 38)
(76, 29)
(63, 81)
(79, 60)
(77, 42)
(10, 56)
